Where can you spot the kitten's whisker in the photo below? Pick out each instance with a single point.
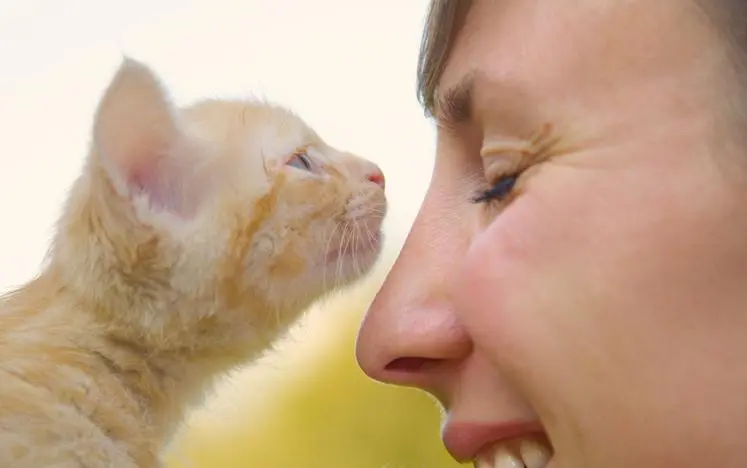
(342, 252)
(349, 248)
(369, 234)
(351, 242)
(368, 212)
(363, 235)
(356, 240)
(335, 226)
(378, 208)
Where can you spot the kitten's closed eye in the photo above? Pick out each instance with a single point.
(300, 160)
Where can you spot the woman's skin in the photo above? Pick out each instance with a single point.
(605, 302)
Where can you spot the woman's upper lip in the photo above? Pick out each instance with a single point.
(465, 440)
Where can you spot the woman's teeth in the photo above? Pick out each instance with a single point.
(505, 459)
(527, 453)
(534, 454)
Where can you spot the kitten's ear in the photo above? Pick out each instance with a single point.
(138, 139)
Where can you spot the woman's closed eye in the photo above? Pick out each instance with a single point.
(500, 190)
(506, 161)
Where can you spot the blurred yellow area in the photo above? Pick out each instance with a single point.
(307, 404)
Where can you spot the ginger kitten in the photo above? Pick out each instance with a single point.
(193, 238)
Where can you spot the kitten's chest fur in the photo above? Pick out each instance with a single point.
(65, 376)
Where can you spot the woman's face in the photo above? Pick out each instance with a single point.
(604, 302)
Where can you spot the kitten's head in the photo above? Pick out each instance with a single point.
(221, 214)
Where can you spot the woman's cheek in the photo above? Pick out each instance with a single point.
(523, 285)
(502, 278)
(523, 298)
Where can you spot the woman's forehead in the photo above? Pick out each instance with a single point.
(539, 45)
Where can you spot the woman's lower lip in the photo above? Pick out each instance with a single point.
(465, 440)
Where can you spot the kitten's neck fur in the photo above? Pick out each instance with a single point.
(155, 381)
(166, 346)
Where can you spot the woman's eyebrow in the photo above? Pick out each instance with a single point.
(508, 97)
(454, 106)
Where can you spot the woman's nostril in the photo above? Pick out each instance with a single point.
(411, 364)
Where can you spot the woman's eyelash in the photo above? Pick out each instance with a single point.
(536, 149)
(499, 191)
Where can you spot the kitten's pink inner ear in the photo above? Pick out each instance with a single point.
(138, 139)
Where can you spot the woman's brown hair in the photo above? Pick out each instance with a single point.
(442, 24)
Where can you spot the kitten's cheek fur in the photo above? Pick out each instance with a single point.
(360, 237)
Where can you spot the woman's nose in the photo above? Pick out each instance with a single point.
(411, 334)
(415, 345)
(410, 337)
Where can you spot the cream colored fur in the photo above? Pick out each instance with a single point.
(192, 239)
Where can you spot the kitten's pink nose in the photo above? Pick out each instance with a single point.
(377, 177)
